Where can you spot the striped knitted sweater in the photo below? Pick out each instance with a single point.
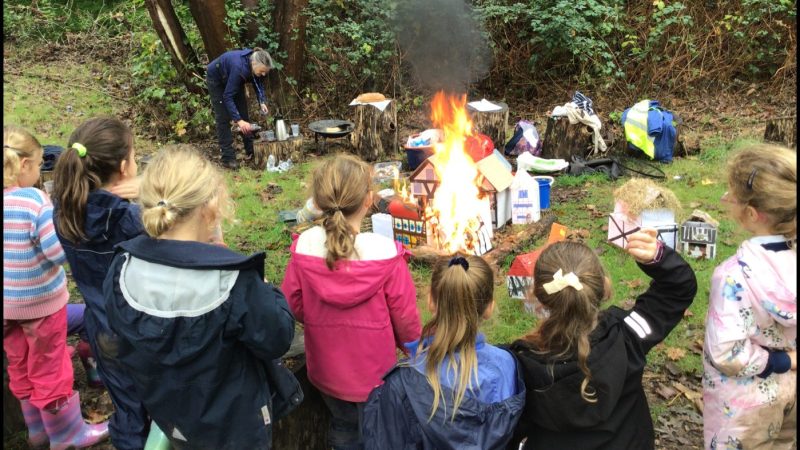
(34, 284)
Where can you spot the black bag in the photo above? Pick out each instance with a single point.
(608, 166)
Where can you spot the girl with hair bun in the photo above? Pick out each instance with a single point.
(354, 294)
(463, 392)
(583, 366)
(35, 312)
(196, 322)
(94, 181)
(750, 347)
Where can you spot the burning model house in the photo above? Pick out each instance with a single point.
(458, 201)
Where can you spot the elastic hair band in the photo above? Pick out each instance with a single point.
(751, 179)
(459, 260)
(162, 203)
(80, 149)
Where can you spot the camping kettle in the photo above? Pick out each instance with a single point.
(280, 130)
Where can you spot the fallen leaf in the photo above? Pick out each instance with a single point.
(634, 284)
(628, 304)
(688, 313)
(672, 368)
(698, 404)
(694, 204)
(93, 416)
(591, 207)
(706, 182)
(674, 353)
(604, 228)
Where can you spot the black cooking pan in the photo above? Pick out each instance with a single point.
(332, 128)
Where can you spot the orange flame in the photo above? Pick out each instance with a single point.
(454, 212)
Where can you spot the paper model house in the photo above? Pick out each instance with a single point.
(520, 275)
(407, 224)
(698, 240)
(495, 181)
(620, 225)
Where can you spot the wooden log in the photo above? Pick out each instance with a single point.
(505, 242)
(782, 130)
(491, 123)
(305, 428)
(282, 150)
(562, 139)
(375, 133)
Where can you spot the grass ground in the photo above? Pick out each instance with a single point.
(51, 100)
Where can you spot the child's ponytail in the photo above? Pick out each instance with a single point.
(461, 289)
(17, 144)
(339, 188)
(573, 312)
(95, 152)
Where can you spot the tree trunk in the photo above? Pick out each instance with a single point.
(210, 18)
(491, 123)
(375, 134)
(173, 38)
(290, 25)
(782, 130)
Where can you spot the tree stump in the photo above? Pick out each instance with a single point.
(563, 139)
(291, 148)
(491, 123)
(305, 428)
(782, 130)
(375, 133)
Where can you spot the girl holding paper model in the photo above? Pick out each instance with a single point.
(583, 366)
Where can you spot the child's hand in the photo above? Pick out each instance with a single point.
(643, 245)
(127, 189)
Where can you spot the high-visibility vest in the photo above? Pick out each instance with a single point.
(635, 126)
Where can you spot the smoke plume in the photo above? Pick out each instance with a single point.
(443, 42)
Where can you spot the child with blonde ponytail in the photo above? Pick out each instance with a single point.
(196, 322)
(354, 294)
(463, 392)
(583, 366)
(750, 347)
(35, 316)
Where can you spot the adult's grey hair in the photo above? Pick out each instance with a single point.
(262, 57)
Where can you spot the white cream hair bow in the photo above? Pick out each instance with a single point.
(560, 281)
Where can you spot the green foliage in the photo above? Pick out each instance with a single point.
(350, 45)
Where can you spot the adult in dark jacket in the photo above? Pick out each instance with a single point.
(226, 77)
(606, 409)
(199, 329)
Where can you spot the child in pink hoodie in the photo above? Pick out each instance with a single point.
(749, 379)
(354, 294)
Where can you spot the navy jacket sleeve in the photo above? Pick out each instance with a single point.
(386, 421)
(262, 318)
(659, 309)
(233, 87)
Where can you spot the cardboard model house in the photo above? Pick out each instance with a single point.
(520, 275)
(407, 224)
(495, 181)
(643, 204)
(698, 239)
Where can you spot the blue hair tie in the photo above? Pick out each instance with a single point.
(459, 260)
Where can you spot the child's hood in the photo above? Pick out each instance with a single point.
(107, 213)
(352, 281)
(771, 277)
(554, 389)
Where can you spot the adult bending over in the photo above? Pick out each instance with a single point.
(226, 77)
